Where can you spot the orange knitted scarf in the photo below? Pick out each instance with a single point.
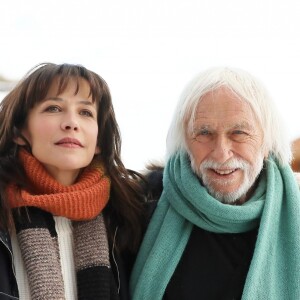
(83, 200)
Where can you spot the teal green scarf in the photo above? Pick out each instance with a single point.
(274, 272)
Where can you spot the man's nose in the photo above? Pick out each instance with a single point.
(222, 150)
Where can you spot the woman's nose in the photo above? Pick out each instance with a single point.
(69, 123)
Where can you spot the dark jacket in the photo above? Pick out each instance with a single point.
(213, 265)
(8, 286)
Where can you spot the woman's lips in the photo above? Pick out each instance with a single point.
(69, 142)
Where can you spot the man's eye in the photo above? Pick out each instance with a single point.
(239, 132)
(203, 136)
(239, 135)
(204, 132)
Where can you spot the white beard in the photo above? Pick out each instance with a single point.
(250, 176)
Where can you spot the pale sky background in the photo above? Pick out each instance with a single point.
(148, 50)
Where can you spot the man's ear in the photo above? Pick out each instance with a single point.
(266, 152)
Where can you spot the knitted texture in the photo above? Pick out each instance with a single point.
(274, 271)
(39, 248)
(83, 200)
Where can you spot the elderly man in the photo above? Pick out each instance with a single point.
(227, 224)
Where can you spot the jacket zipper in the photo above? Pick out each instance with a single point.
(113, 255)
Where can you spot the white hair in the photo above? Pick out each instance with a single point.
(246, 87)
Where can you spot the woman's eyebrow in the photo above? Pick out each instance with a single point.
(85, 102)
(53, 98)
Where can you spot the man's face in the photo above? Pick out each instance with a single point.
(226, 146)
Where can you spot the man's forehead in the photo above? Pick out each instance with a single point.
(229, 111)
(203, 124)
(225, 97)
(223, 106)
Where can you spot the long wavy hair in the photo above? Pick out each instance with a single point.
(124, 207)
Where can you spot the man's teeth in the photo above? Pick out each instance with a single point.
(224, 172)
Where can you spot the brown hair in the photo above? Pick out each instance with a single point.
(124, 208)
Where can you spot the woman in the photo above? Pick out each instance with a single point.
(69, 210)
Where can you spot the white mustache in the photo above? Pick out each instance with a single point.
(233, 163)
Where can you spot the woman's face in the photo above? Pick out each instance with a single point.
(62, 131)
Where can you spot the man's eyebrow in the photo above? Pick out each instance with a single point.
(243, 125)
(238, 126)
(202, 126)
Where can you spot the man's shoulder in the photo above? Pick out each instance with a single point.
(153, 187)
(154, 181)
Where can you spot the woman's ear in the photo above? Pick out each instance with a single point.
(19, 141)
(97, 150)
(19, 138)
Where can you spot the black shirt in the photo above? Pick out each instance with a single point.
(213, 266)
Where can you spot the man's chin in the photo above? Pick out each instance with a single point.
(227, 197)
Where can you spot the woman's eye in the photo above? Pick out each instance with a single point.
(86, 113)
(53, 108)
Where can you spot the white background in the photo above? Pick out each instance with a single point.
(148, 50)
